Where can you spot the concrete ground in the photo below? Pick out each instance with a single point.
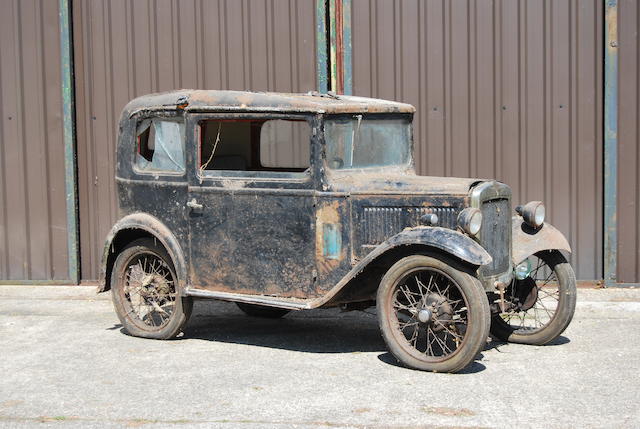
(64, 362)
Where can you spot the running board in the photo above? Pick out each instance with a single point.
(270, 301)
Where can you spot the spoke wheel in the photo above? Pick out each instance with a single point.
(145, 292)
(541, 306)
(432, 316)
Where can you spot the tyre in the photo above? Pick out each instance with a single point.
(433, 316)
(541, 306)
(262, 310)
(145, 292)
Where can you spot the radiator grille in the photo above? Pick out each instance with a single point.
(495, 235)
(380, 223)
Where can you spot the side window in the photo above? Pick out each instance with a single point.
(267, 148)
(279, 144)
(160, 146)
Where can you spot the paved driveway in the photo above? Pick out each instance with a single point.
(64, 362)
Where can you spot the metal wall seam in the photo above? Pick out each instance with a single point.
(610, 141)
(321, 45)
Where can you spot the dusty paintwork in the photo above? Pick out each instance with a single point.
(240, 101)
(399, 181)
(301, 240)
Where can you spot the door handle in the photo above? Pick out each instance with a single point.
(194, 205)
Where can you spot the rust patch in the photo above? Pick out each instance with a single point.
(526, 241)
(327, 215)
(612, 28)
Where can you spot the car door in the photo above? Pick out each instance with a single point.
(251, 198)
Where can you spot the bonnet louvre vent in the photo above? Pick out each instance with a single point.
(380, 223)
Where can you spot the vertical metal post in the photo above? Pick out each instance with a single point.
(334, 63)
(346, 43)
(68, 120)
(335, 46)
(610, 141)
(340, 46)
(321, 46)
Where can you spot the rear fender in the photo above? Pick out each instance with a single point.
(151, 226)
(528, 240)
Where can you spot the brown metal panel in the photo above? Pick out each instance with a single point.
(434, 108)
(15, 211)
(459, 93)
(126, 48)
(485, 110)
(258, 44)
(509, 150)
(628, 210)
(33, 227)
(504, 89)
(560, 162)
(587, 138)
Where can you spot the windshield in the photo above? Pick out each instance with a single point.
(356, 141)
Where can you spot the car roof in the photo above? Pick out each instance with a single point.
(198, 100)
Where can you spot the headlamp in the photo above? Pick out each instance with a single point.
(533, 213)
(470, 220)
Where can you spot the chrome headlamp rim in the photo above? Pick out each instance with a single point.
(470, 220)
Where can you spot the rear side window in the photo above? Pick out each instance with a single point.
(160, 146)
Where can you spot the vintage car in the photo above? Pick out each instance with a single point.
(283, 202)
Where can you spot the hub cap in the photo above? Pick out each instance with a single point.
(431, 313)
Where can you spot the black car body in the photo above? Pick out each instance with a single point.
(299, 201)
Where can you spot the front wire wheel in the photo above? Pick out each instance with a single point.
(541, 306)
(145, 292)
(433, 317)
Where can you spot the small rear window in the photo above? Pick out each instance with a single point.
(160, 146)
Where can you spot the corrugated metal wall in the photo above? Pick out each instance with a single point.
(33, 223)
(504, 89)
(628, 142)
(124, 49)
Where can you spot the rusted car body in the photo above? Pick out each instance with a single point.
(321, 233)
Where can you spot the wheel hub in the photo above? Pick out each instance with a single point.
(435, 308)
(526, 293)
(154, 286)
(424, 315)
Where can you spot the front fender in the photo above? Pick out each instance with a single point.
(152, 226)
(446, 240)
(528, 240)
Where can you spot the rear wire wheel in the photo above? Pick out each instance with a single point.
(433, 317)
(145, 292)
(540, 306)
